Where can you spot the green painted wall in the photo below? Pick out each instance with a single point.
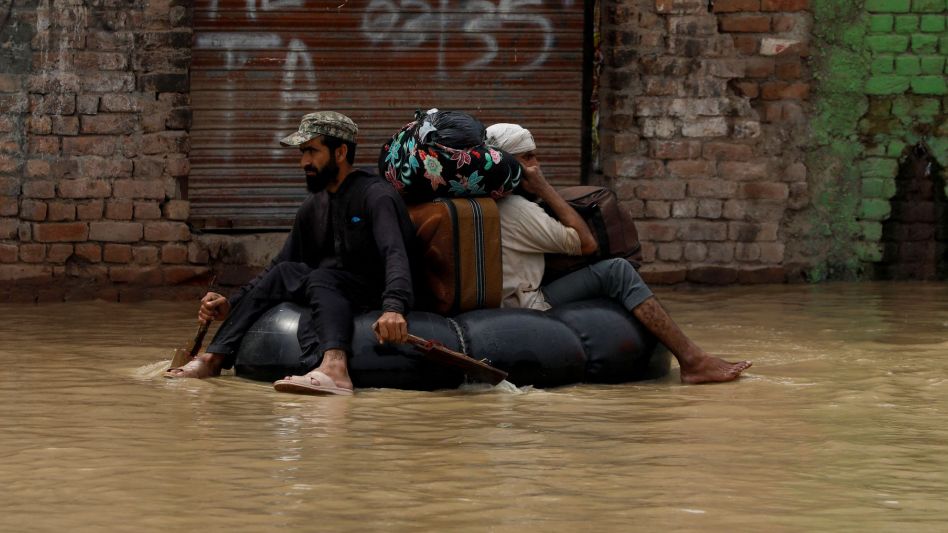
(880, 68)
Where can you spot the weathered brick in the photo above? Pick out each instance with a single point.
(33, 210)
(53, 82)
(9, 186)
(61, 232)
(695, 251)
(119, 210)
(61, 211)
(102, 146)
(174, 254)
(9, 83)
(65, 125)
(694, 168)
(117, 253)
(198, 254)
(661, 190)
(53, 104)
(696, 26)
(659, 127)
(664, 231)
(687, 208)
(120, 103)
(144, 189)
(784, 5)
(166, 142)
(633, 167)
(115, 231)
(145, 255)
(727, 68)
(663, 274)
(8, 253)
(709, 208)
(727, 151)
(84, 188)
(705, 127)
(167, 231)
(703, 231)
(734, 6)
(39, 125)
(37, 168)
(745, 23)
(91, 210)
(670, 251)
(107, 82)
(59, 253)
(747, 252)
(43, 145)
(114, 123)
(790, 70)
(771, 252)
(89, 251)
(764, 191)
(711, 188)
(32, 253)
(8, 165)
(680, 6)
(743, 231)
(740, 170)
(721, 252)
(176, 209)
(675, 149)
(87, 104)
(8, 206)
(9, 228)
(100, 61)
(179, 166)
(657, 209)
(935, 85)
(91, 167)
(147, 211)
(784, 23)
(799, 195)
(148, 168)
(777, 90)
(690, 107)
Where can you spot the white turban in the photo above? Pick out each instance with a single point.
(510, 138)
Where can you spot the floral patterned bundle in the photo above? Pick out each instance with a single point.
(423, 171)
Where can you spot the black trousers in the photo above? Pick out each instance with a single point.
(332, 296)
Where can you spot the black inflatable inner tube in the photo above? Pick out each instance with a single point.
(595, 341)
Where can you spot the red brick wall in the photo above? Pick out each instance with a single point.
(703, 123)
(94, 113)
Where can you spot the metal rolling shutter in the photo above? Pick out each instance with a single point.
(259, 65)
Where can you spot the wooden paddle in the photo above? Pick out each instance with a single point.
(439, 353)
(183, 356)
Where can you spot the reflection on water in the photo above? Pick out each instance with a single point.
(840, 426)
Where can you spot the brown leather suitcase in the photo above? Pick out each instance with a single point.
(610, 223)
(460, 239)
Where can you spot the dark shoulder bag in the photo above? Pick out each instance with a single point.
(610, 223)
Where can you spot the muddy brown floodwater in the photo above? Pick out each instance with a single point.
(840, 426)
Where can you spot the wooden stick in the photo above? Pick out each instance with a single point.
(440, 353)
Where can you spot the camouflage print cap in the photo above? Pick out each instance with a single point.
(323, 123)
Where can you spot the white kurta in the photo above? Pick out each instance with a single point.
(527, 233)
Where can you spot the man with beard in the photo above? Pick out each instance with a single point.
(346, 253)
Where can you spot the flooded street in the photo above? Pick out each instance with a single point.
(841, 425)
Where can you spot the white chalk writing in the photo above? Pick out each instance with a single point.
(409, 24)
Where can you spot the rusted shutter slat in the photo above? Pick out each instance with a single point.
(258, 65)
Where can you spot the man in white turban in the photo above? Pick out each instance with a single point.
(528, 232)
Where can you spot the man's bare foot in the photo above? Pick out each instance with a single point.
(336, 367)
(711, 369)
(203, 365)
